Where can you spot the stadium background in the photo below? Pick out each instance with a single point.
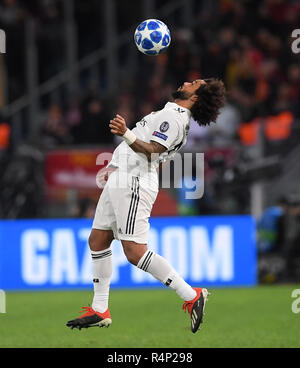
(71, 65)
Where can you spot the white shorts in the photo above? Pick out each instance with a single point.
(125, 209)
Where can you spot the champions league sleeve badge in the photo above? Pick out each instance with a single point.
(164, 126)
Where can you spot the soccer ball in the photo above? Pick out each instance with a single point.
(152, 37)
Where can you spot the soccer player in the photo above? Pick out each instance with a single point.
(128, 196)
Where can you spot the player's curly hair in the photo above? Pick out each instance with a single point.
(211, 97)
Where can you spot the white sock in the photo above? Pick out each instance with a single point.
(160, 268)
(102, 271)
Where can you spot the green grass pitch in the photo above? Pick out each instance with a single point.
(236, 317)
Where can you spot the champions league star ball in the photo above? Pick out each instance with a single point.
(152, 37)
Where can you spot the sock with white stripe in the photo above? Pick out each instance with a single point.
(102, 271)
(160, 268)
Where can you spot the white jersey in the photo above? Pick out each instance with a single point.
(128, 196)
(168, 127)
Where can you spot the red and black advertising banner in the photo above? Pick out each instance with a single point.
(74, 169)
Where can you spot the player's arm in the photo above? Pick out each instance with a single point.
(147, 149)
(118, 127)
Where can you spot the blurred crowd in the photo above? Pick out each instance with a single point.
(246, 43)
(49, 26)
(278, 241)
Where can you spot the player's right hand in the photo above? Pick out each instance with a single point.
(118, 125)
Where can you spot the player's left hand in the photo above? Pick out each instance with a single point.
(118, 125)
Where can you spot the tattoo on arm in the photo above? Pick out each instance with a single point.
(148, 149)
(158, 148)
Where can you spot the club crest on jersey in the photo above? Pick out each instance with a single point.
(160, 135)
(164, 126)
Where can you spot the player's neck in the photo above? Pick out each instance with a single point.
(184, 103)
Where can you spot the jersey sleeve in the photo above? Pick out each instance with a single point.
(165, 129)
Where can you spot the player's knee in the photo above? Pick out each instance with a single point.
(93, 243)
(132, 257)
(133, 251)
(99, 241)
